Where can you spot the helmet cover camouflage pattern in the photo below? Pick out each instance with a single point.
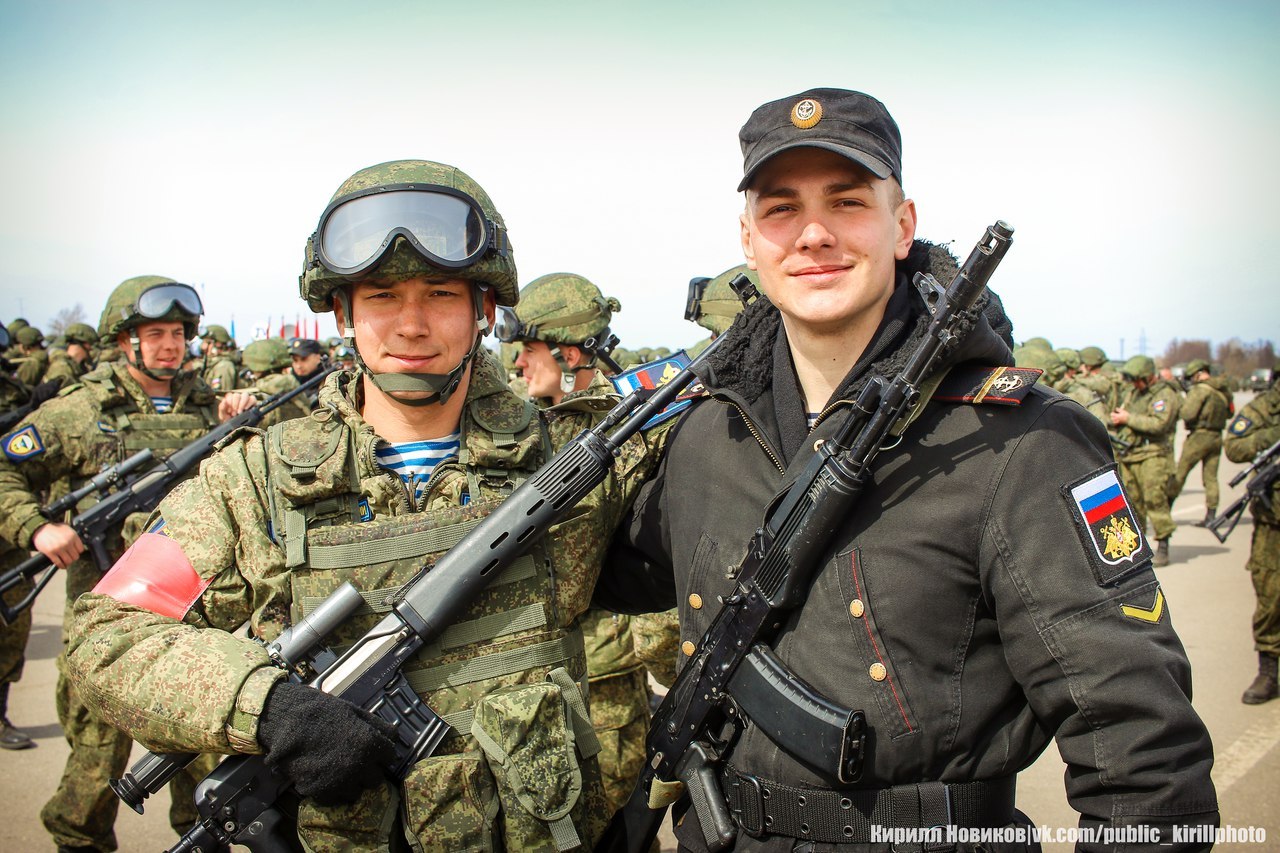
(1139, 367)
(565, 308)
(81, 333)
(266, 355)
(1093, 356)
(217, 334)
(120, 314)
(1070, 358)
(29, 336)
(402, 261)
(1197, 365)
(720, 305)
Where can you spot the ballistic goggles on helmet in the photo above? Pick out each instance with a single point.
(155, 302)
(446, 226)
(693, 303)
(511, 329)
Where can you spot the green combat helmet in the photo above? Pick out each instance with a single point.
(218, 334)
(1070, 358)
(714, 306)
(1139, 367)
(30, 336)
(17, 324)
(81, 333)
(1042, 359)
(563, 309)
(1197, 365)
(149, 299)
(266, 356)
(1093, 357)
(403, 220)
(1042, 343)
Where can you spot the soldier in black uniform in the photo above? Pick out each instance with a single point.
(992, 591)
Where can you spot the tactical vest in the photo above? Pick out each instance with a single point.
(1215, 410)
(138, 430)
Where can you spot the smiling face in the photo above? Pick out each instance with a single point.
(824, 235)
(414, 326)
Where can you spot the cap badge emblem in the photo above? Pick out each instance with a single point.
(806, 113)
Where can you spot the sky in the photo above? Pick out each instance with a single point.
(1131, 145)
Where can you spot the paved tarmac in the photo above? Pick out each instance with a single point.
(1210, 599)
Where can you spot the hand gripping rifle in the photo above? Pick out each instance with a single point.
(733, 666)
(1264, 470)
(131, 495)
(238, 801)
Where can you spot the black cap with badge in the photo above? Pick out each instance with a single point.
(305, 346)
(849, 123)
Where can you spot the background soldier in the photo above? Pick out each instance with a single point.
(67, 367)
(1092, 360)
(267, 373)
(1256, 428)
(713, 305)
(1146, 419)
(559, 322)
(422, 440)
(307, 358)
(35, 360)
(116, 410)
(1205, 410)
(221, 371)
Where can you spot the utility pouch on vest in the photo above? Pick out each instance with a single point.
(534, 736)
(306, 466)
(450, 803)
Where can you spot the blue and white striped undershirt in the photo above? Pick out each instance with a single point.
(414, 461)
(162, 404)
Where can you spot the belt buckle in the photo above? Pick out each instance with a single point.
(749, 785)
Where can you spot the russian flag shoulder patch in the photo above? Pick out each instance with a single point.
(1109, 530)
(656, 373)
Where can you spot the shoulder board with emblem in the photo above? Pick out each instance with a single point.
(656, 373)
(976, 385)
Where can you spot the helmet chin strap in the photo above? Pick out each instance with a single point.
(160, 374)
(440, 386)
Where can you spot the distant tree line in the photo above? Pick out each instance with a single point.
(1234, 357)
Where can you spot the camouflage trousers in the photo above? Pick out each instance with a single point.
(657, 643)
(13, 638)
(1203, 447)
(1147, 482)
(82, 811)
(1264, 565)
(620, 716)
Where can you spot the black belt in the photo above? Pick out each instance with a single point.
(829, 816)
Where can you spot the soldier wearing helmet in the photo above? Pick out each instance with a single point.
(1145, 420)
(1205, 411)
(67, 366)
(423, 437)
(110, 413)
(562, 324)
(267, 373)
(34, 360)
(220, 368)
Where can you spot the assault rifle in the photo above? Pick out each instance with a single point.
(240, 801)
(1264, 470)
(733, 673)
(131, 495)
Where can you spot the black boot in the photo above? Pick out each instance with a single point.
(1209, 515)
(1162, 553)
(10, 738)
(1265, 686)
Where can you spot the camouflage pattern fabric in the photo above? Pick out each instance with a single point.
(13, 637)
(278, 383)
(63, 369)
(1147, 466)
(1253, 430)
(1205, 410)
(69, 438)
(222, 374)
(32, 369)
(1204, 448)
(462, 798)
(657, 639)
(619, 700)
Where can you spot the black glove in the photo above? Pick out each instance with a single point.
(45, 391)
(329, 748)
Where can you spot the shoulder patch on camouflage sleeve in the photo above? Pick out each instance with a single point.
(1002, 386)
(1240, 425)
(1109, 530)
(654, 374)
(24, 444)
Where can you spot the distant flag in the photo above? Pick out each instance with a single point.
(282, 325)
(233, 327)
(315, 321)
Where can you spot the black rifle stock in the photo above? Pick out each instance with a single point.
(238, 801)
(142, 494)
(774, 577)
(1264, 470)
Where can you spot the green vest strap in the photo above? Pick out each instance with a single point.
(352, 554)
(482, 668)
(380, 601)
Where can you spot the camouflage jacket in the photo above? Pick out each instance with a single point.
(32, 369)
(1207, 406)
(64, 369)
(88, 426)
(1256, 428)
(1153, 416)
(221, 374)
(270, 533)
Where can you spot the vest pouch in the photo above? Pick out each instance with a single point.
(366, 824)
(450, 803)
(535, 737)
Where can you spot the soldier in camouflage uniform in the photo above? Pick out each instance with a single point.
(35, 359)
(221, 372)
(12, 349)
(557, 323)
(1205, 410)
(1074, 385)
(275, 522)
(68, 366)
(113, 412)
(1092, 360)
(1256, 428)
(267, 364)
(1146, 419)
